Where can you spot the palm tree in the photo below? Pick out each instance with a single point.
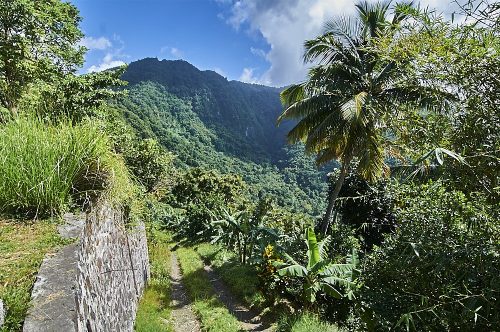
(345, 106)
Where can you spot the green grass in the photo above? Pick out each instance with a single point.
(244, 283)
(23, 246)
(305, 323)
(45, 167)
(214, 316)
(241, 279)
(154, 309)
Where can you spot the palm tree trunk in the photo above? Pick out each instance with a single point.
(333, 197)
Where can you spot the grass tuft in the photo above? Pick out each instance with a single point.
(45, 168)
(305, 322)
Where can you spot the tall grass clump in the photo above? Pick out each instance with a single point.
(305, 322)
(44, 168)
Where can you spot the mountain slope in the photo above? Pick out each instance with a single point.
(243, 115)
(210, 122)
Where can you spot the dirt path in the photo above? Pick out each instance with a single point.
(249, 320)
(182, 315)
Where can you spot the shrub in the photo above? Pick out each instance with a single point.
(366, 209)
(44, 168)
(320, 276)
(150, 163)
(440, 271)
(202, 195)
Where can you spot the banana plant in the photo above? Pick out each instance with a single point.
(241, 230)
(321, 274)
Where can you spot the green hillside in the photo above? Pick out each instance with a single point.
(230, 126)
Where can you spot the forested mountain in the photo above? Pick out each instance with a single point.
(210, 122)
(243, 115)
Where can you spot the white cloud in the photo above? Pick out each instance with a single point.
(258, 52)
(285, 25)
(107, 62)
(248, 76)
(92, 43)
(112, 52)
(175, 52)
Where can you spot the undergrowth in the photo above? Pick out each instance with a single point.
(305, 322)
(214, 316)
(244, 283)
(154, 311)
(241, 279)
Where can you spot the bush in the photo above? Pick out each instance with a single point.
(202, 195)
(440, 271)
(150, 164)
(366, 208)
(45, 168)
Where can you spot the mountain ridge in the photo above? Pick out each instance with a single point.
(230, 126)
(245, 111)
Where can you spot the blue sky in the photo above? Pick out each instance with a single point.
(258, 41)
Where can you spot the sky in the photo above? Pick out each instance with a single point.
(254, 41)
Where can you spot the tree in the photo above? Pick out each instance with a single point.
(75, 97)
(464, 58)
(39, 41)
(346, 104)
(440, 271)
(366, 209)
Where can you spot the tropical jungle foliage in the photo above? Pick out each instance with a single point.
(393, 92)
(400, 104)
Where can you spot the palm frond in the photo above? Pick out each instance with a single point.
(372, 160)
(426, 97)
(328, 133)
(373, 17)
(353, 107)
(322, 48)
(346, 30)
(292, 94)
(326, 155)
(300, 132)
(304, 107)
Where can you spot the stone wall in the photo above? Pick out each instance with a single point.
(113, 268)
(93, 284)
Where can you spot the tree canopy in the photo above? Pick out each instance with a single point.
(39, 41)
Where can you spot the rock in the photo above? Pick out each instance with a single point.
(72, 227)
(2, 313)
(53, 296)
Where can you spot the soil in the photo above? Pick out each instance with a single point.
(183, 317)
